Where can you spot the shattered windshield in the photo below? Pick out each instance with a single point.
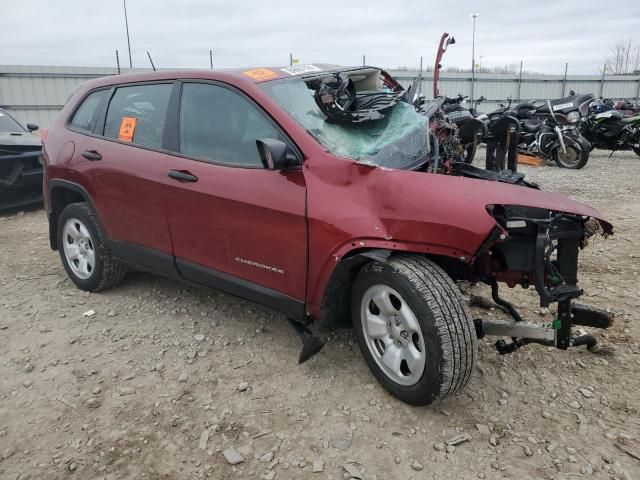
(399, 140)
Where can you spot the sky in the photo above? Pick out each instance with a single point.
(543, 34)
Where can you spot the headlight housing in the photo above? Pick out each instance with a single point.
(573, 117)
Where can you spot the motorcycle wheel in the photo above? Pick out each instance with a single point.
(574, 159)
(636, 150)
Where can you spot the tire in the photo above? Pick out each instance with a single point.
(84, 252)
(581, 157)
(636, 150)
(436, 323)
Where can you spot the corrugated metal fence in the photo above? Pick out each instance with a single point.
(37, 93)
(497, 88)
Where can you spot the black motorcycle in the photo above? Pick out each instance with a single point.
(470, 129)
(611, 130)
(550, 131)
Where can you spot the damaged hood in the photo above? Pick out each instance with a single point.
(496, 193)
(446, 210)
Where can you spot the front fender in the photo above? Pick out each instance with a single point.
(577, 140)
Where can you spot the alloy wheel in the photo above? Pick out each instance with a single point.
(393, 335)
(78, 247)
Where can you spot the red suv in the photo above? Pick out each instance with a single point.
(327, 208)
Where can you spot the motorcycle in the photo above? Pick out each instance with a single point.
(611, 130)
(626, 108)
(469, 129)
(550, 131)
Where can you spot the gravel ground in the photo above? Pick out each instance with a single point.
(157, 380)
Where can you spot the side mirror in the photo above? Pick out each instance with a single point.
(32, 127)
(275, 154)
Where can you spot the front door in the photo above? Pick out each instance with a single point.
(235, 225)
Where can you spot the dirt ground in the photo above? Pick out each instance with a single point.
(163, 378)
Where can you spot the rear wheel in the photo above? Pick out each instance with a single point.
(413, 329)
(574, 158)
(636, 150)
(84, 252)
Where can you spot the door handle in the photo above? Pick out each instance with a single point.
(182, 176)
(91, 155)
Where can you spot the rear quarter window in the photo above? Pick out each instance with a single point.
(137, 114)
(86, 115)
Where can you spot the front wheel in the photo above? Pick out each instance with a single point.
(574, 158)
(413, 329)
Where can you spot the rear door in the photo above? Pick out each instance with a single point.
(126, 167)
(235, 225)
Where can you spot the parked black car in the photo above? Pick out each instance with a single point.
(20, 163)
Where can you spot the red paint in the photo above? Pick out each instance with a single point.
(232, 214)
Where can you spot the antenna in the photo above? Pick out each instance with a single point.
(151, 61)
(126, 23)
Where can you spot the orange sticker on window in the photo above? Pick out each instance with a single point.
(127, 128)
(261, 74)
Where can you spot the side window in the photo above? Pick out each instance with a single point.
(86, 115)
(137, 114)
(221, 125)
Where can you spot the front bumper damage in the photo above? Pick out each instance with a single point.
(539, 248)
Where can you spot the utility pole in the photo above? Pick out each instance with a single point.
(363, 61)
(118, 62)
(604, 71)
(520, 82)
(211, 58)
(151, 61)
(420, 82)
(564, 80)
(473, 54)
(290, 59)
(126, 23)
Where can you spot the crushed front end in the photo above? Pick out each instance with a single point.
(537, 247)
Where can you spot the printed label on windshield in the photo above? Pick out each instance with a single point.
(298, 69)
(261, 74)
(127, 129)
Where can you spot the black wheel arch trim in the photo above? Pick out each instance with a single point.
(53, 220)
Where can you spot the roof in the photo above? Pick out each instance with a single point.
(233, 75)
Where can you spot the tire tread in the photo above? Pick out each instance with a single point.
(452, 319)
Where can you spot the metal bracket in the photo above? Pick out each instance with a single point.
(523, 329)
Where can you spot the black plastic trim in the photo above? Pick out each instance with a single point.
(239, 287)
(144, 258)
(53, 222)
(150, 260)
